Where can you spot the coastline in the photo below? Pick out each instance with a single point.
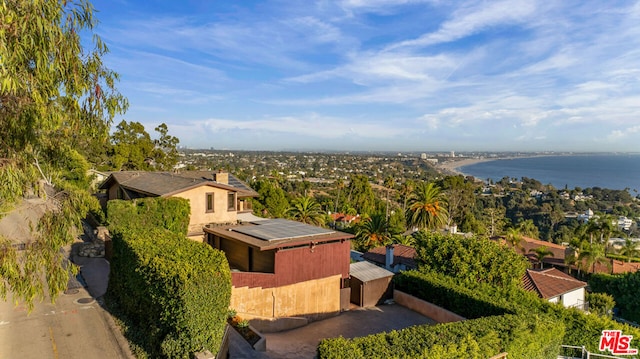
(453, 166)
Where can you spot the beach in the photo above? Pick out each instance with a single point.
(452, 166)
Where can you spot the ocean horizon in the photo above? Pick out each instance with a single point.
(611, 171)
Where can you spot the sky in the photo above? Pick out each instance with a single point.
(380, 75)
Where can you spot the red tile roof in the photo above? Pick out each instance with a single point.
(617, 267)
(551, 282)
(347, 218)
(401, 255)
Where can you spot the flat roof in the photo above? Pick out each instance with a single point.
(276, 233)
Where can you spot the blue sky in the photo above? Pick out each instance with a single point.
(404, 75)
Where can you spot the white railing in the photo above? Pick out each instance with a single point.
(575, 352)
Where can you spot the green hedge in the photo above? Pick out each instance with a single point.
(443, 291)
(625, 289)
(470, 259)
(582, 329)
(521, 336)
(176, 291)
(169, 213)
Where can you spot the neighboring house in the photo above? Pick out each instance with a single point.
(341, 220)
(615, 267)
(556, 287)
(559, 251)
(213, 197)
(281, 268)
(396, 257)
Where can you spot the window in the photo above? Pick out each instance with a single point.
(209, 203)
(231, 201)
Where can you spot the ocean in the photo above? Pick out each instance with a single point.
(612, 171)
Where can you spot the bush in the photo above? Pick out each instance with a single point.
(175, 289)
(601, 304)
(520, 336)
(470, 259)
(624, 288)
(169, 213)
(445, 292)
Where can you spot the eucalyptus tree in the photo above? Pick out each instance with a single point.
(57, 100)
(427, 207)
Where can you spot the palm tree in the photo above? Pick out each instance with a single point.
(426, 207)
(306, 210)
(591, 255)
(373, 232)
(513, 238)
(541, 253)
(629, 249)
(528, 228)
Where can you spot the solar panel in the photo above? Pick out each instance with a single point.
(274, 229)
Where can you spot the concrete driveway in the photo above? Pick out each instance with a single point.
(302, 342)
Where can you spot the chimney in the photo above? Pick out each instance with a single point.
(221, 177)
(388, 258)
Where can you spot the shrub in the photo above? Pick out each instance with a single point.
(601, 304)
(520, 336)
(470, 259)
(624, 288)
(169, 213)
(175, 289)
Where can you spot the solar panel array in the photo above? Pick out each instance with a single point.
(274, 229)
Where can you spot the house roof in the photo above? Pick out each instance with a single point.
(617, 267)
(401, 255)
(551, 282)
(267, 234)
(367, 271)
(167, 183)
(527, 244)
(341, 217)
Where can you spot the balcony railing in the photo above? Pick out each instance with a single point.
(582, 305)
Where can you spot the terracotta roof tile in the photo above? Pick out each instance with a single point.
(549, 283)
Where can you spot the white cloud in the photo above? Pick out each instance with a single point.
(470, 20)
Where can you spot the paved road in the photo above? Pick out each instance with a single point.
(67, 329)
(76, 326)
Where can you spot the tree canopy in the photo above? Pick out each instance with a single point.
(57, 103)
(53, 91)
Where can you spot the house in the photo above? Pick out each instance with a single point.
(559, 252)
(396, 257)
(556, 287)
(615, 267)
(341, 220)
(281, 268)
(214, 197)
